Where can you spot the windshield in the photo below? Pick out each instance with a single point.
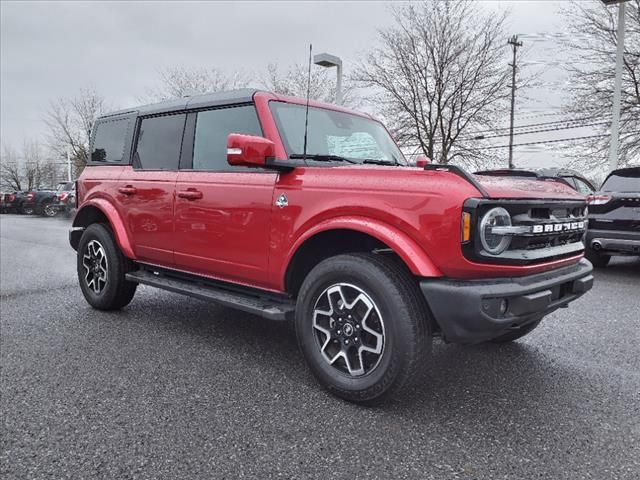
(64, 187)
(622, 183)
(335, 133)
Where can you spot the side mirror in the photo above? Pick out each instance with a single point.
(249, 150)
(422, 160)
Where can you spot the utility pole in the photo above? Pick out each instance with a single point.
(615, 119)
(513, 41)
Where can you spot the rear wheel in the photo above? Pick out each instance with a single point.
(598, 259)
(362, 326)
(102, 268)
(50, 210)
(516, 334)
(29, 210)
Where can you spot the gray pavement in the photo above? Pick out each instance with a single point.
(171, 387)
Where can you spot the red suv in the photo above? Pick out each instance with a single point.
(227, 197)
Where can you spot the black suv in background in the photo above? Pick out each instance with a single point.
(39, 202)
(564, 175)
(614, 217)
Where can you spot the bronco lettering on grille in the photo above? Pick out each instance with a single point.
(558, 227)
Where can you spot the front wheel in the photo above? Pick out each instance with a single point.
(362, 326)
(101, 270)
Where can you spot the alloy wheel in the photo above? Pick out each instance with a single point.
(50, 211)
(94, 261)
(349, 329)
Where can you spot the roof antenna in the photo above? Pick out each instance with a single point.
(306, 115)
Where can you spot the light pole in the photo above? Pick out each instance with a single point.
(615, 118)
(326, 60)
(68, 166)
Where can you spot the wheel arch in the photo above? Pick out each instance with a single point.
(350, 235)
(101, 211)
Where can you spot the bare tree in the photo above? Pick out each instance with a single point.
(293, 81)
(593, 41)
(10, 170)
(439, 73)
(39, 170)
(70, 121)
(176, 82)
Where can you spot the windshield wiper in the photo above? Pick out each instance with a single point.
(321, 157)
(373, 161)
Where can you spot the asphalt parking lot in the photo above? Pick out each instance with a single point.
(172, 387)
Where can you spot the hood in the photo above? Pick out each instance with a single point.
(512, 187)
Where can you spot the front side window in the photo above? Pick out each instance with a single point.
(212, 129)
(109, 140)
(335, 133)
(159, 142)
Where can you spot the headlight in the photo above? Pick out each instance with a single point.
(495, 243)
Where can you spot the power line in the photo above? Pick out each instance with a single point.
(529, 125)
(545, 141)
(491, 147)
(541, 130)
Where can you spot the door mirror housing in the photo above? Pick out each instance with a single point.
(422, 160)
(249, 150)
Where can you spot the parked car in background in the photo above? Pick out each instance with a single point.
(12, 202)
(39, 202)
(570, 177)
(65, 199)
(614, 217)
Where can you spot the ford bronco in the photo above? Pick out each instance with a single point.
(228, 197)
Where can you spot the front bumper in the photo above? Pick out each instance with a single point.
(472, 311)
(619, 242)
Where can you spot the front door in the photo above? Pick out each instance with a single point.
(222, 213)
(147, 191)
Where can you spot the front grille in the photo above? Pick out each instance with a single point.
(543, 230)
(570, 218)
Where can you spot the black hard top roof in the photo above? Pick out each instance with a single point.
(243, 95)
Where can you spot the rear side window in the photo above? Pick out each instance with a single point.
(159, 142)
(109, 140)
(212, 129)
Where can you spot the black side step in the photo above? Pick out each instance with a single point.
(271, 308)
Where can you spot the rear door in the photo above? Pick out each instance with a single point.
(147, 191)
(222, 212)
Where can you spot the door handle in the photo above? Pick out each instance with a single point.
(190, 194)
(128, 190)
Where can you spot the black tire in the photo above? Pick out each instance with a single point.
(49, 210)
(27, 210)
(516, 334)
(406, 339)
(598, 259)
(114, 292)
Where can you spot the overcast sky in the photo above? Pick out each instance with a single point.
(52, 49)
